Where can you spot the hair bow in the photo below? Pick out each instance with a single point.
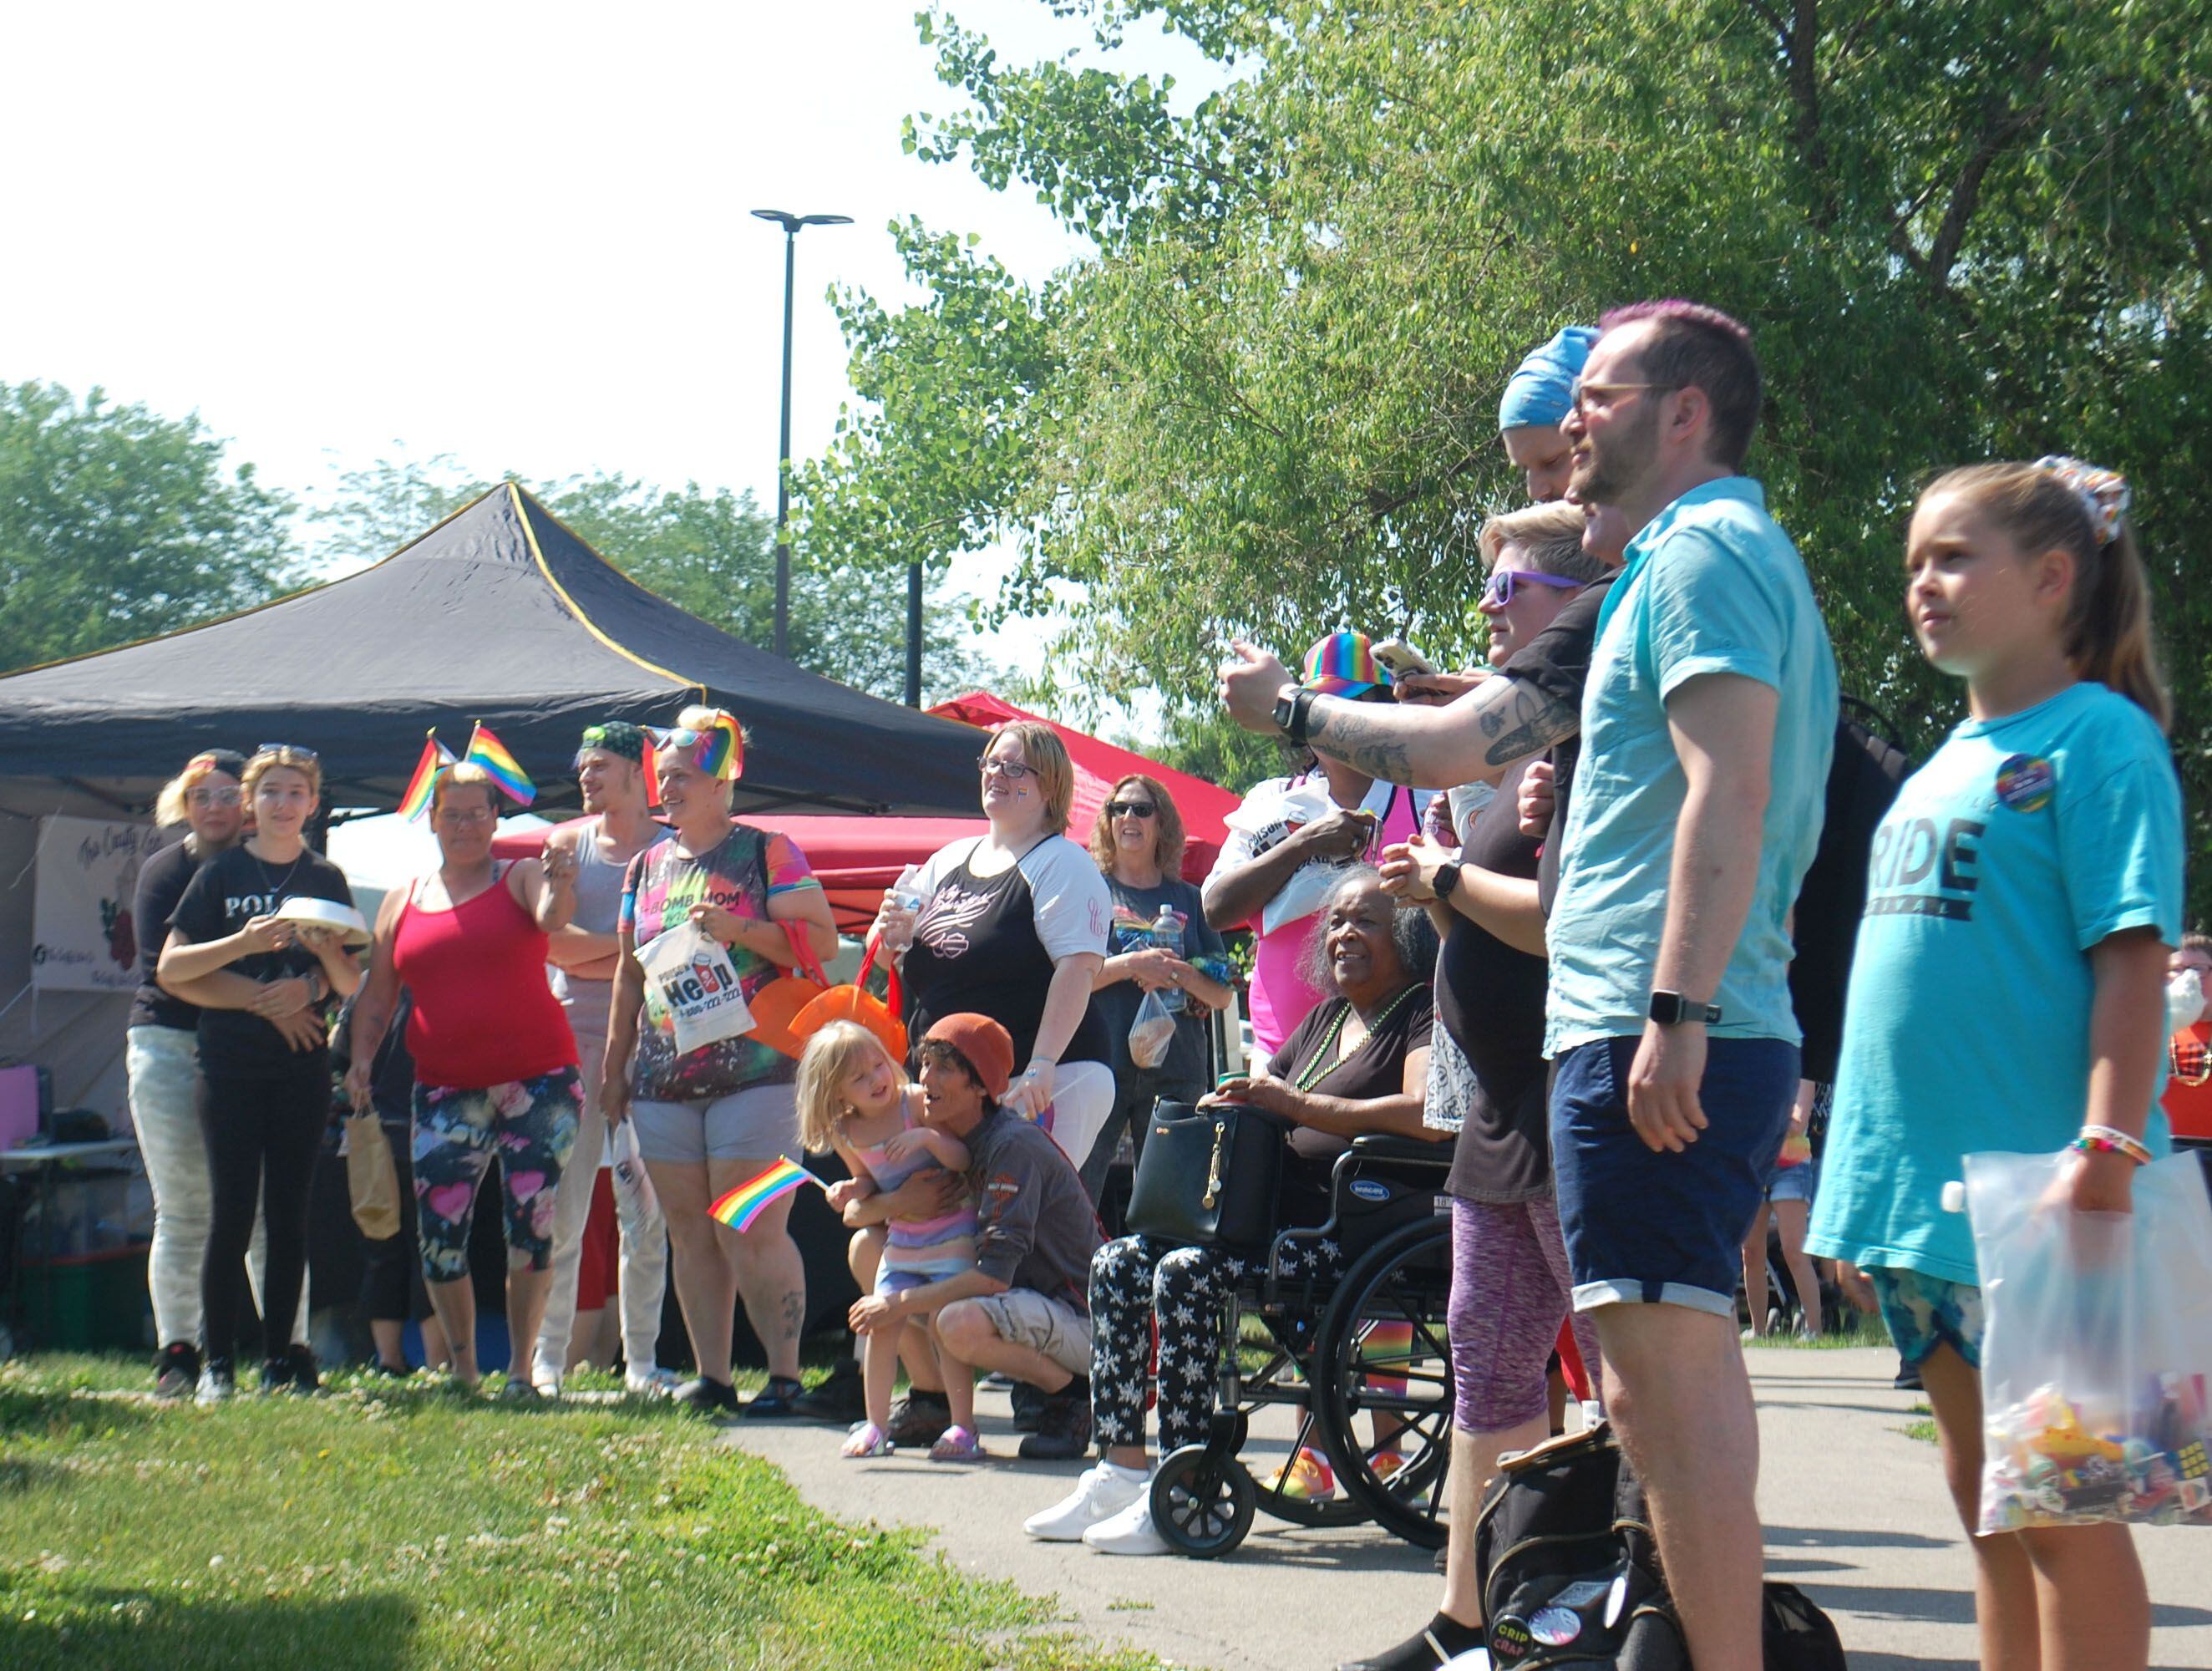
(2103, 493)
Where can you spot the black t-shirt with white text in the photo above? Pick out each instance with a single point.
(232, 889)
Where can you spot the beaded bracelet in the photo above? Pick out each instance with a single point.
(2110, 1140)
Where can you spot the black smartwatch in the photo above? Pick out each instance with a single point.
(1447, 882)
(1292, 703)
(1671, 1009)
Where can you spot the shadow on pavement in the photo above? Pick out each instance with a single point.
(1862, 1661)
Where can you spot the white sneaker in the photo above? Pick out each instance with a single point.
(1130, 1532)
(1102, 1491)
(652, 1383)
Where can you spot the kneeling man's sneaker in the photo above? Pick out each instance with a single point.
(1101, 1492)
(1129, 1533)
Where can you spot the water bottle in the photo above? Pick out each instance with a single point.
(1167, 936)
(637, 1204)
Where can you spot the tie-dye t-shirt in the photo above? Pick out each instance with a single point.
(749, 868)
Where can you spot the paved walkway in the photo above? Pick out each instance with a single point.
(1855, 1514)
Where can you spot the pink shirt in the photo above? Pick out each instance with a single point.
(1279, 997)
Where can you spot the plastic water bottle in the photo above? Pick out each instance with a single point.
(637, 1204)
(1167, 936)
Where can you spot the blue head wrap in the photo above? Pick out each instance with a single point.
(1537, 392)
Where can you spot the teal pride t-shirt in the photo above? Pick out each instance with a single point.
(2020, 844)
(1712, 586)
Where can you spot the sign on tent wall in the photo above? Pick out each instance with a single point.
(83, 938)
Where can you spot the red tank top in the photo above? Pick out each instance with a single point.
(483, 1013)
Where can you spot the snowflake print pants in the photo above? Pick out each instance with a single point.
(1139, 1280)
(530, 1126)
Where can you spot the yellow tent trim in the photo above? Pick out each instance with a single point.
(522, 514)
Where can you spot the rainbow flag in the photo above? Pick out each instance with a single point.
(485, 749)
(436, 756)
(747, 1201)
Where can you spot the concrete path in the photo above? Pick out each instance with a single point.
(1856, 1514)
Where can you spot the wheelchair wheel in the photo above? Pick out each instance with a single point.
(1202, 1506)
(1282, 1381)
(1383, 1355)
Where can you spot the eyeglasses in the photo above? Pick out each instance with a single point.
(287, 748)
(214, 797)
(1577, 389)
(1499, 592)
(1130, 809)
(450, 814)
(1013, 770)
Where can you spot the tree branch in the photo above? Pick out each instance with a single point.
(2001, 126)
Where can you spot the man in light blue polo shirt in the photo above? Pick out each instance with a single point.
(1708, 721)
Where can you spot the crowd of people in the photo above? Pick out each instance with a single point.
(1544, 921)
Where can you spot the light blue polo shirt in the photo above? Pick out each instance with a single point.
(2023, 842)
(1712, 586)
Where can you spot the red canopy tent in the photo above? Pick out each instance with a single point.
(857, 858)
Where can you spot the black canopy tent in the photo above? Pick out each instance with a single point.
(500, 614)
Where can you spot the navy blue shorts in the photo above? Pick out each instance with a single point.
(1646, 1226)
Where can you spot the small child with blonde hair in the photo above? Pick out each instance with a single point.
(855, 1098)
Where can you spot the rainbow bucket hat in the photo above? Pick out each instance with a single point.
(1344, 665)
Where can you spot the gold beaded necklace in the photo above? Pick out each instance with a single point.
(1318, 1065)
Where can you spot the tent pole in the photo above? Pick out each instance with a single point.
(913, 634)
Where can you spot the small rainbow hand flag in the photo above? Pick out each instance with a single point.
(485, 749)
(747, 1201)
(436, 756)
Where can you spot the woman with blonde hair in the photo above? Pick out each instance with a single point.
(709, 1119)
(1138, 844)
(1011, 925)
(162, 1052)
(262, 1092)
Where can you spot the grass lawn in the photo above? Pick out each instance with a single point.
(376, 1527)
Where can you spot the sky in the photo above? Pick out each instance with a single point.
(516, 234)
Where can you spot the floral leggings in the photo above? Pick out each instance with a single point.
(531, 1126)
(1140, 1279)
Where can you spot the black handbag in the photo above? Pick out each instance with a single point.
(1208, 1177)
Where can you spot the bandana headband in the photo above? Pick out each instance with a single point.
(2103, 493)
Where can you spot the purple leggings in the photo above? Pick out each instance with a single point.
(1510, 1293)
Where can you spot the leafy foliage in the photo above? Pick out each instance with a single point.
(1267, 406)
(115, 524)
(710, 554)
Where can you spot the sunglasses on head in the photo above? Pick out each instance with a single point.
(1133, 809)
(280, 749)
(1497, 592)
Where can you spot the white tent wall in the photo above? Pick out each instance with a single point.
(78, 1036)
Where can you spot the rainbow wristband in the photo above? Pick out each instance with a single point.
(2110, 1140)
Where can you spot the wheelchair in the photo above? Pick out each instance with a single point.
(1369, 1346)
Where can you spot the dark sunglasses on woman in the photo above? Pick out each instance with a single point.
(1132, 809)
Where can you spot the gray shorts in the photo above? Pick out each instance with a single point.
(1042, 1324)
(757, 1123)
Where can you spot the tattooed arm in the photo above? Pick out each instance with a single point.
(1472, 739)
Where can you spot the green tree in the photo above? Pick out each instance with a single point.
(116, 523)
(1267, 406)
(711, 555)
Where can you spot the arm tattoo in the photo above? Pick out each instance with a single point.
(1537, 721)
(1342, 732)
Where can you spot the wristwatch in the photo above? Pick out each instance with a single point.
(1292, 703)
(1447, 882)
(1671, 1009)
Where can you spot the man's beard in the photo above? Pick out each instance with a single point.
(1611, 476)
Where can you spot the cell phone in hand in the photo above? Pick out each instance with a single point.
(1398, 658)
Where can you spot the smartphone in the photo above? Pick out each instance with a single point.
(1399, 659)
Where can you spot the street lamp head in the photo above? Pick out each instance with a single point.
(791, 223)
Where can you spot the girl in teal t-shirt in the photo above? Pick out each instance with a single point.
(2007, 989)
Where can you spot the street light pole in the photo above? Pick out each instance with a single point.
(791, 225)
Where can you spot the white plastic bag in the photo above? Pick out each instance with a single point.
(2097, 1358)
(689, 977)
(1151, 1032)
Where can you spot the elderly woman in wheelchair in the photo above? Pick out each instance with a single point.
(1354, 1069)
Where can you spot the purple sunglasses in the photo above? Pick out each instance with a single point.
(1498, 593)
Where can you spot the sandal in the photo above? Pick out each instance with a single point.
(1306, 1475)
(1385, 1464)
(957, 1444)
(866, 1440)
